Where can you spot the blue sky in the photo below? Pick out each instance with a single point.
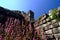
(38, 6)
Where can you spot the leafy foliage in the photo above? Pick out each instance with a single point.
(54, 15)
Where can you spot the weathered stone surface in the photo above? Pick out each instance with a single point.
(48, 23)
(59, 39)
(54, 21)
(59, 23)
(49, 36)
(44, 25)
(50, 26)
(15, 27)
(55, 30)
(46, 28)
(57, 35)
(55, 25)
(44, 21)
(48, 32)
(44, 17)
(41, 22)
(48, 19)
(59, 29)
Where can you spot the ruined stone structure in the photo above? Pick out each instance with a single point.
(18, 25)
(15, 26)
(39, 24)
(49, 25)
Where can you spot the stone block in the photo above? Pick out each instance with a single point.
(55, 25)
(55, 30)
(59, 29)
(48, 32)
